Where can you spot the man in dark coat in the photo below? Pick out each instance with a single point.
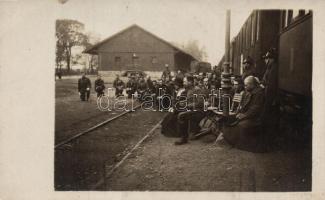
(99, 86)
(84, 86)
(248, 69)
(131, 86)
(270, 116)
(166, 75)
(118, 84)
(194, 109)
(270, 81)
(244, 128)
(150, 84)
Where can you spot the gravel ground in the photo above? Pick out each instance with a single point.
(79, 165)
(203, 165)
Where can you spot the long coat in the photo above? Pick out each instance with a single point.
(246, 133)
(83, 84)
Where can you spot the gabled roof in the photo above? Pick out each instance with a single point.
(92, 49)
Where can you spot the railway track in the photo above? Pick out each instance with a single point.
(70, 139)
(89, 161)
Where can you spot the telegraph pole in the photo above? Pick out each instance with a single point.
(225, 75)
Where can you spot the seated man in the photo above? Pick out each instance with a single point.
(193, 109)
(243, 128)
(118, 84)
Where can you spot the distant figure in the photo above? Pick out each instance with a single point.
(131, 86)
(99, 86)
(118, 84)
(179, 76)
(149, 84)
(166, 75)
(142, 87)
(248, 69)
(84, 86)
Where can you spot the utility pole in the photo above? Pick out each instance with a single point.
(225, 75)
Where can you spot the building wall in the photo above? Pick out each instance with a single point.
(138, 42)
(144, 61)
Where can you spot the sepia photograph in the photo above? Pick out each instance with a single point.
(184, 99)
(146, 106)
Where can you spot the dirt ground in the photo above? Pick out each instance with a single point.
(73, 115)
(203, 165)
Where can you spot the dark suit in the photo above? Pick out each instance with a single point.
(245, 133)
(99, 87)
(84, 86)
(194, 113)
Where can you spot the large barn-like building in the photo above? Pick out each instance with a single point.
(137, 49)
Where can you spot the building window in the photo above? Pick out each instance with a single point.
(154, 60)
(117, 60)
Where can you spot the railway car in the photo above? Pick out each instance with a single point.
(257, 35)
(295, 72)
(290, 32)
(197, 67)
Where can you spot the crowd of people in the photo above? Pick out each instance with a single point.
(184, 95)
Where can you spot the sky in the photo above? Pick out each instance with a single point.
(175, 21)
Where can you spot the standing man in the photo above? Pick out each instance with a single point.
(99, 86)
(166, 75)
(248, 69)
(118, 84)
(179, 76)
(84, 86)
(269, 81)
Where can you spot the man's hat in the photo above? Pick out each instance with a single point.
(248, 60)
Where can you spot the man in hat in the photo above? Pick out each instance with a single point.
(270, 84)
(99, 86)
(84, 86)
(270, 79)
(248, 68)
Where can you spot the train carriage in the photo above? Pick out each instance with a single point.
(290, 33)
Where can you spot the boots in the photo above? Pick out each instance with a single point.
(181, 141)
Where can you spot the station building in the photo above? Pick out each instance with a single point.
(134, 48)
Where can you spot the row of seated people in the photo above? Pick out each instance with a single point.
(190, 107)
